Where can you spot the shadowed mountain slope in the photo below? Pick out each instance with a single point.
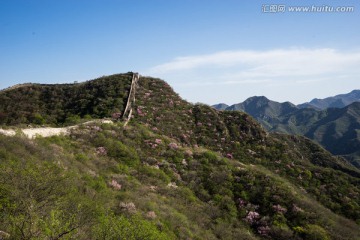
(264, 110)
(339, 131)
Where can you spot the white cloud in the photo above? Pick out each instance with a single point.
(272, 63)
(200, 83)
(296, 74)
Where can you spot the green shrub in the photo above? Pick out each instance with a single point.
(315, 232)
(134, 228)
(81, 157)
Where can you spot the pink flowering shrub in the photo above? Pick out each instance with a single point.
(184, 136)
(116, 115)
(241, 202)
(297, 209)
(252, 217)
(279, 209)
(173, 146)
(188, 152)
(151, 215)
(154, 145)
(140, 112)
(101, 151)
(96, 128)
(128, 207)
(264, 230)
(158, 141)
(151, 144)
(115, 185)
(229, 155)
(153, 188)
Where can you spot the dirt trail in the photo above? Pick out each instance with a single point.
(47, 131)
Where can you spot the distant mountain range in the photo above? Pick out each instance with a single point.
(338, 101)
(334, 122)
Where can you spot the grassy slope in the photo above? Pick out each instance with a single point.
(221, 167)
(72, 179)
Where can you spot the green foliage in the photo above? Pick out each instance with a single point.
(81, 157)
(72, 120)
(38, 119)
(315, 232)
(39, 200)
(134, 228)
(64, 103)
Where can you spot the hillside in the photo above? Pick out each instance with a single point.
(175, 171)
(336, 129)
(61, 104)
(339, 131)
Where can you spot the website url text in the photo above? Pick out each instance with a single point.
(281, 8)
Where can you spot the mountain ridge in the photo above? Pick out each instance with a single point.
(337, 101)
(308, 121)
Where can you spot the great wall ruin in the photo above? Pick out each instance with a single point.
(48, 131)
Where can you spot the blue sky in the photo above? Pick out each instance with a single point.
(210, 51)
